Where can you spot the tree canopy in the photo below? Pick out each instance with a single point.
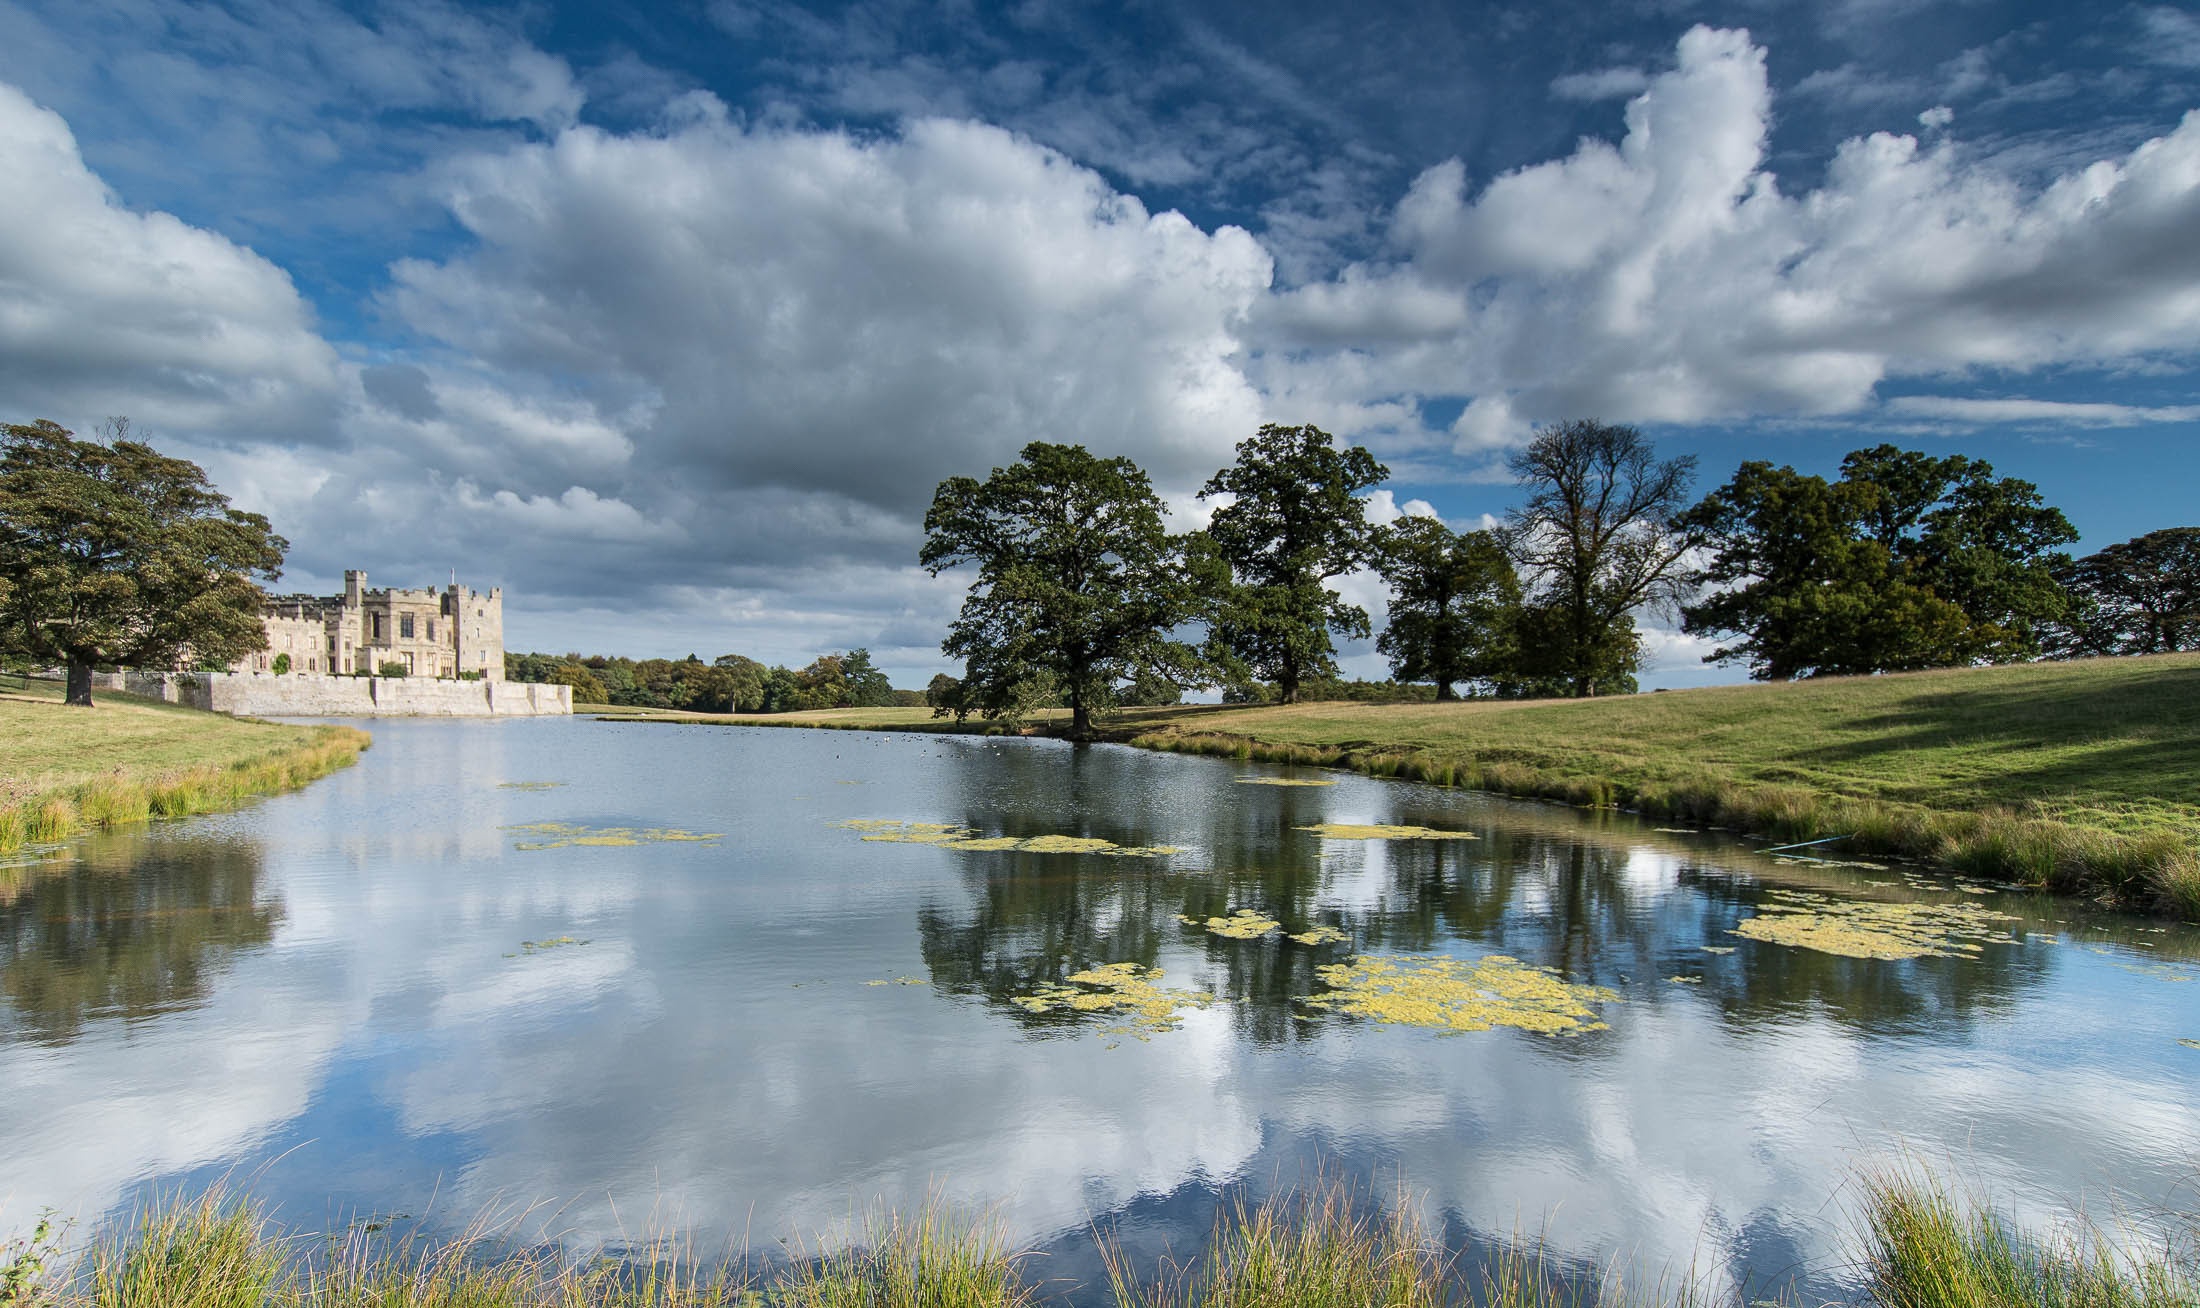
(111, 552)
(1295, 521)
(1453, 599)
(1599, 538)
(1908, 561)
(1078, 583)
(2139, 597)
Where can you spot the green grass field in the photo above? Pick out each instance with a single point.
(2082, 777)
(65, 770)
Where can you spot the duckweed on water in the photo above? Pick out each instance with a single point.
(560, 835)
(1450, 994)
(1124, 989)
(949, 835)
(901, 981)
(1383, 831)
(1245, 924)
(1282, 781)
(1861, 929)
(2189, 1044)
(532, 947)
(1320, 935)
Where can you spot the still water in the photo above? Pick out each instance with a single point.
(398, 992)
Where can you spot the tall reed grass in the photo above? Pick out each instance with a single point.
(1325, 1247)
(128, 796)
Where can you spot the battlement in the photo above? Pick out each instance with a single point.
(446, 633)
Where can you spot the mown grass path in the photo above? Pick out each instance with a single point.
(64, 770)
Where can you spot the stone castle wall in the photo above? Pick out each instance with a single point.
(248, 694)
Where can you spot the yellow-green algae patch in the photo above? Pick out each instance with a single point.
(1124, 989)
(901, 981)
(529, 785)
(1685, 980)
(559, 835)
(1863, 929)
(532, 947)
(1319, 935)
(1245, 924)
(1451, 994)
(1282, 781)
(1383, 831)
(949, 835)
(2189, 1044)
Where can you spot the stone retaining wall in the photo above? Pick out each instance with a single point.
(265, 695)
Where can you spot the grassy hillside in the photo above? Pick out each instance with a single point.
(64, 770)
(2082, 777)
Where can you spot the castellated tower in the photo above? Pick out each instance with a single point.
(422, 633)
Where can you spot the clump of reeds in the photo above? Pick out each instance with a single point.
(1924, 1248)
(123, 800)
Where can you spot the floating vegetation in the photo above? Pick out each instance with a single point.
(2189, 1044)
(1675, 831)
(1718, 949)
(529, 785)
(560, 835)
(1685, 980)
(949, 835)
(1282, 781)
(1862, 929)
(901, 981)
(1320, 935)
(1450, 994)
(1383, 831)
(1124, 989)
(1245, 924)
(530, 948)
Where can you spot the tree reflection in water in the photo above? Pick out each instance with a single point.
(135, 925)
(1594, 895)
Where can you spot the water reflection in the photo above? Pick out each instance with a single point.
(109, 931)
(359, 1014)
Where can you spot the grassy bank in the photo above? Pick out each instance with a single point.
(1328, 1248)
(2079, 777)
(66, 770)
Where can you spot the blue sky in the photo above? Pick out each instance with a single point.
(669, 317)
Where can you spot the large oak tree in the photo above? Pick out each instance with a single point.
(1078, 582)
(111, 552)
(1908, 561)
(1295, 521)
(1453, 599)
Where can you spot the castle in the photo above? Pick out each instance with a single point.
(451, 633)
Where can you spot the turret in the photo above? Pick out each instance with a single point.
(355, 585)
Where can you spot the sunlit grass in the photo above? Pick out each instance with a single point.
(2080, 777)
(1326, 1245)
(66, 770)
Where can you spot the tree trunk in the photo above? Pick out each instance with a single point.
(80, 683)
(1287, 684)
(1443, 692)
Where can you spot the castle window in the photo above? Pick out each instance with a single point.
(431, 629)
(378, 626)
(405, 627)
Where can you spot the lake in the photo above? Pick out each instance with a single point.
(632, 974)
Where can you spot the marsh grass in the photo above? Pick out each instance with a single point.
(65, 771)
(1927, 1248)
(1327, 1245)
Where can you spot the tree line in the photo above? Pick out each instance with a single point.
(730, 683)
(1083, 599)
